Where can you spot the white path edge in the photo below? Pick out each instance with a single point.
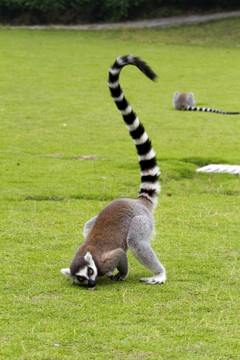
(220, 168)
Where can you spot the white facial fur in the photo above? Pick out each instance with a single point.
(83, 272)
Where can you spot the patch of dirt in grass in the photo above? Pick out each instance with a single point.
(44, 296)
(78, 158)
(86, 157)
(55, 155)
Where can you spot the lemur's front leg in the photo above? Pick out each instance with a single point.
(115, 259)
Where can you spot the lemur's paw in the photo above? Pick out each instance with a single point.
(117, 277)
(157, 279)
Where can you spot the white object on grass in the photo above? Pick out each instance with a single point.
(220, 168)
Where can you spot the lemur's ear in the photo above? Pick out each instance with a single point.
(175, 96)
(88, 257)
(66, 271)
(190, 97)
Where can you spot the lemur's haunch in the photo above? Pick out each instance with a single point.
(124, 223)
(186, 102)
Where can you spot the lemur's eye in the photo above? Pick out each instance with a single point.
(90, 271)
(80, 278)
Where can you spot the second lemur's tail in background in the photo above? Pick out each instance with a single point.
(150, 186)
(194, 108)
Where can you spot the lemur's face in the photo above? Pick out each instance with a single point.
(86, 275)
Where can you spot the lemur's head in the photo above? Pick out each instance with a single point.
(82, 271)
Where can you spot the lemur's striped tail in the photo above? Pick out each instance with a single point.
(150, 186)
(193, 108)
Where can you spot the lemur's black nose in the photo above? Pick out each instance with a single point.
(91, 283)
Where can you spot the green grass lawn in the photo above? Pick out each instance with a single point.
(65, 153)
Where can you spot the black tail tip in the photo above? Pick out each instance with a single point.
(137, 61)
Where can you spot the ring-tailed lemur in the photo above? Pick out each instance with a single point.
(124, 223)
(186, 102)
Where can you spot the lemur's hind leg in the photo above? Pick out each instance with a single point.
(139, 244)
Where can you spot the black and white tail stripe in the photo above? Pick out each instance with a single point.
(150, 186)
(193, 108)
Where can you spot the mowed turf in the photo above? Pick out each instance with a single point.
(65, 153)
